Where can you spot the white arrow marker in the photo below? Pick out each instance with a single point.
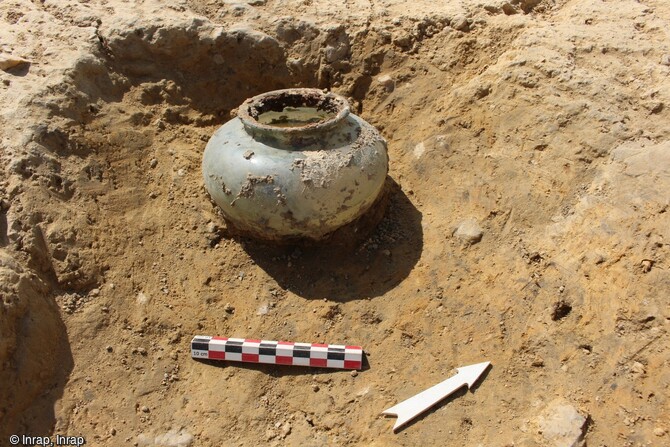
(415, 405)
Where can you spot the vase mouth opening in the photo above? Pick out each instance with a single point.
(293, 111)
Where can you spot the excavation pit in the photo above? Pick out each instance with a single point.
(116, 158)
(112, 255)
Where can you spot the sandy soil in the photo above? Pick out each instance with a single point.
(545, 123)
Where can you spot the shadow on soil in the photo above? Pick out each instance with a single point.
(355, 269)
(38, 370)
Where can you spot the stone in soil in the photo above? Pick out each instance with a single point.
(561, 425)
(469, 231)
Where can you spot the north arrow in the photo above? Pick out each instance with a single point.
(414, 406)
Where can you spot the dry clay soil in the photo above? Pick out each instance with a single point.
(546, 123)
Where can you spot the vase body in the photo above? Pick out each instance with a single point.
(306, 179)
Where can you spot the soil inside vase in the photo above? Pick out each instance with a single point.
(294, 116)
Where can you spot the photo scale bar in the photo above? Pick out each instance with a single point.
(277, 352)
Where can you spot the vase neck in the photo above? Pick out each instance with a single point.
(292, 118)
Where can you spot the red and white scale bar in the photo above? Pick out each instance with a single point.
(277, 352)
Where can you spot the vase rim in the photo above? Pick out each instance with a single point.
(253, 107)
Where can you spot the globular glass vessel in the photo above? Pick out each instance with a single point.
(295, 163)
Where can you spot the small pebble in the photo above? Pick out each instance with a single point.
(145, 409)
(538, 363)
(387, 82)
(460, 23)
(153, 163)
(229, 308)
(8, 61)
(469, 231)
(637, 368)
(109, 348)
(354, 373)
(286, 430)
